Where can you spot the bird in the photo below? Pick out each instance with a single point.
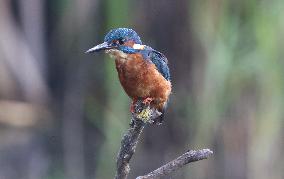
(143, 71)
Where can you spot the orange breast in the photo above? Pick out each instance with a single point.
(141, 79)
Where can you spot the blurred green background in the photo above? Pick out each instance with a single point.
(63, 113)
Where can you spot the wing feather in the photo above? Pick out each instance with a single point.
(159, 60)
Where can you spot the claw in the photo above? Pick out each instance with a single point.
(132, 110)
(132, 106)
(147, 101)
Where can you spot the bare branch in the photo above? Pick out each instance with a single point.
(188, 157)
(127, 149)
(143, 115)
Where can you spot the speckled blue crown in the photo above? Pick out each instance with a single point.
(122, 33)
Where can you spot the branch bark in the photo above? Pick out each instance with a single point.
(143, 115)
(127, 149)
(186, 158)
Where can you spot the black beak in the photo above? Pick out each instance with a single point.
(102, 46)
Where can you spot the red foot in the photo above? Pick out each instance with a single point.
(147, 101)
(132, 107)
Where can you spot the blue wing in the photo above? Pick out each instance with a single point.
(158, 59)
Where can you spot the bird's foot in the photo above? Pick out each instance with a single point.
(147, 101)
(132, 106)
(144, 113)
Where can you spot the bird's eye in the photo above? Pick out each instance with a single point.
(121, 41)
(118, 42)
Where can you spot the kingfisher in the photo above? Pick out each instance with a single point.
(143, 72)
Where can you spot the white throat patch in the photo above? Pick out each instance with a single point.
(114, 53)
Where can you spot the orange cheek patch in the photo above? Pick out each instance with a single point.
(129, 43)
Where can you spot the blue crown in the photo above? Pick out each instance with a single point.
(122, 34)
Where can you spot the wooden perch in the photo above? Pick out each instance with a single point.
(186, 158)
(144, 114)
(127, 149)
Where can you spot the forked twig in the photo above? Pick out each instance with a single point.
(143, 115)
(186, 158)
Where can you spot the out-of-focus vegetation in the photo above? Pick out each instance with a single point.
(63, 113)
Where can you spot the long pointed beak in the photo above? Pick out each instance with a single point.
(102, 46)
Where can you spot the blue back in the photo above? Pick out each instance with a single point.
(158, 59)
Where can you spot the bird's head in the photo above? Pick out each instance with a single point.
(119, 41)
